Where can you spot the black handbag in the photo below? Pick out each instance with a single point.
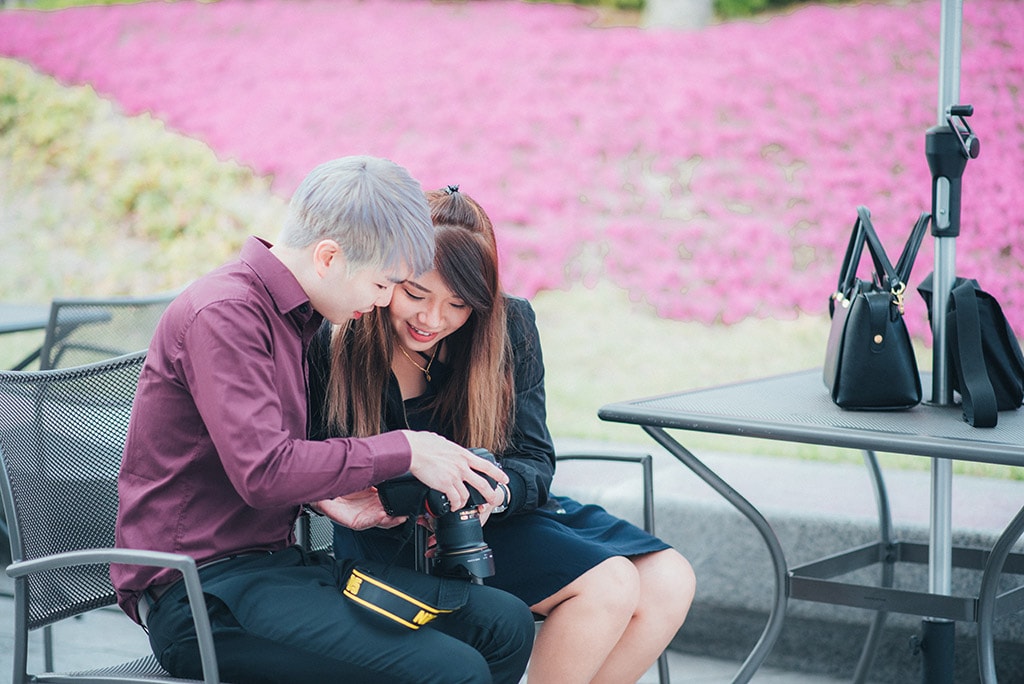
(869, 358)
(984, 357)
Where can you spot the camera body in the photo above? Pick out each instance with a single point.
(461, 550)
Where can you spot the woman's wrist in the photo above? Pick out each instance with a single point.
(505, 500)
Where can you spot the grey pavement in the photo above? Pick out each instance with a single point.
(107, 636)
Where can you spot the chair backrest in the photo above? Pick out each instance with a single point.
(85, 330)
(62, 433)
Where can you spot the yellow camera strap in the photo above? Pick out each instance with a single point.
(391, 602)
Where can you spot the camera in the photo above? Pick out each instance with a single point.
(461, 551)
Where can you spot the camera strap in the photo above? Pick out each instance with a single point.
(391, 602)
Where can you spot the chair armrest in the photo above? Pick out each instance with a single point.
(646, 464)
(186, 565)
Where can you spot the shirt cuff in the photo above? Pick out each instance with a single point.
(392, 455)
(516, 492)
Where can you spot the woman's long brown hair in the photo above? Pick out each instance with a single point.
(477, 401)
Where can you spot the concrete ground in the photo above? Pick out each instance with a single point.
(108, 636)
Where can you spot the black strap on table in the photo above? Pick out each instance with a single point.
(978, 396)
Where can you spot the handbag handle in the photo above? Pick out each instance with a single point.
(883, 267)
(892, 278)
(906, 260)
(887, 275)
(863, 231)
(854, 249)
(848, 270)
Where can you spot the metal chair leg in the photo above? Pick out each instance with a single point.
(647, 467)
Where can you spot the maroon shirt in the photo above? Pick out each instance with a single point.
(217, 461)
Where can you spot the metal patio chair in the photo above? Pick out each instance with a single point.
(61, 438)
(84, 330)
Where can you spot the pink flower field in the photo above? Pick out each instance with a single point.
(713, 173)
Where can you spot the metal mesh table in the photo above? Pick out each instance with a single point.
(797, 408)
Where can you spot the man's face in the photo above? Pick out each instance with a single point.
(342, 295)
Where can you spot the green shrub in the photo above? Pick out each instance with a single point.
(100, 203)
(60, 4)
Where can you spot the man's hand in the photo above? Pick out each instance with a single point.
(359, 511)
(447, 467)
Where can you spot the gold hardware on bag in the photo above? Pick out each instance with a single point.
(841, 299)
(897, 296)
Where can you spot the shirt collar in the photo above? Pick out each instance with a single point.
(280, 282)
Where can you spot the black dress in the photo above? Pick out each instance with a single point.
(543, 542)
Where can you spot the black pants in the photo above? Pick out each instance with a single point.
(281, 617)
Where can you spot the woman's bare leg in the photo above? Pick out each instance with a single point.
(583, 623)
(667, 586)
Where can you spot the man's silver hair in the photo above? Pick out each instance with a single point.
(373, 208)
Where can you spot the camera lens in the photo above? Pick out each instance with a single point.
(460, 531)
(461, 550)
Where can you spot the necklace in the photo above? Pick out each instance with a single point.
(424, 369)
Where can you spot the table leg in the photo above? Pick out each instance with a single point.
(885, 534)
(778, 610)
(987, 596)
(938, 640)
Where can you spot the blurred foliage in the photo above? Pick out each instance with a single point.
(60, 4)
(99, 203)
(724, 9)
(92, 202)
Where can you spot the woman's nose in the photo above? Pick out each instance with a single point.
(430, 315)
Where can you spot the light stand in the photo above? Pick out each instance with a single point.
(948, 146)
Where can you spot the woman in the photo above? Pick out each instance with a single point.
(454, 355)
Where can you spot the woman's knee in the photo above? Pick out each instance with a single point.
(668, 582)
(615, 583)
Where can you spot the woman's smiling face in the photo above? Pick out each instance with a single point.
(424, 311)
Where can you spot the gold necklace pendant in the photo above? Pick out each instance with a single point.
(423, 369)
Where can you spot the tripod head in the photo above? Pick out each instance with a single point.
(948, 147)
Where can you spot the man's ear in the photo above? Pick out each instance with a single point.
(327, 254)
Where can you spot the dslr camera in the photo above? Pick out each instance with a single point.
(461, 551)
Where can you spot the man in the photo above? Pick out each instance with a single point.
(217, 463)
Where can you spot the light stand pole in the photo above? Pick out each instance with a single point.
(948, 146)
